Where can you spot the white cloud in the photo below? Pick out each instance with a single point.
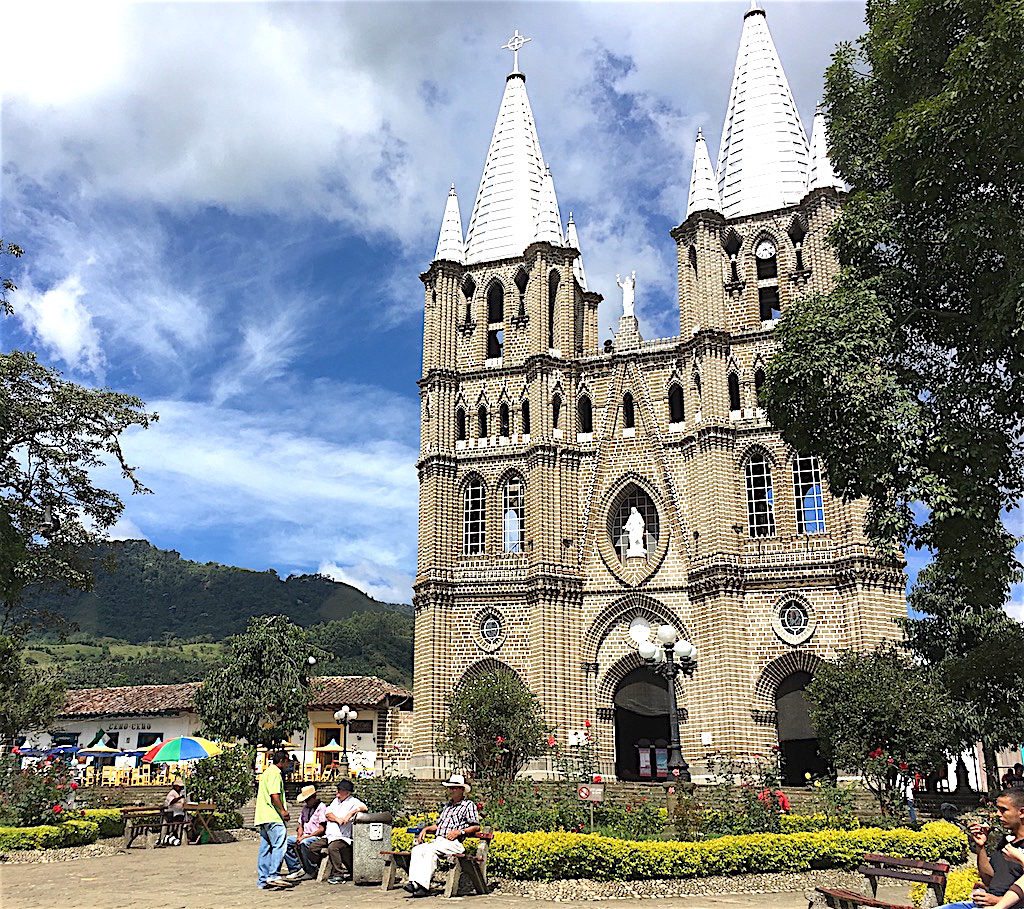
(125, 529)
(58, 320)
(382, 584)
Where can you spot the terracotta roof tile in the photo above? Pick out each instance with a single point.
(357, 690)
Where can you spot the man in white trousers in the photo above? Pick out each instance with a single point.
(458, 819)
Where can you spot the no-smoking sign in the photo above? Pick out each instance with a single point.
(589, 793)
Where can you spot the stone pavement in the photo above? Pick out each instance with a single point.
(223, 876)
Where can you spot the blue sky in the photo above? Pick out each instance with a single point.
(226, 207)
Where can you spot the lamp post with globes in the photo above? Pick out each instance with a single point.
(669, 656)
(345, 716)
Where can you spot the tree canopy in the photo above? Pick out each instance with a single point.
(908, 378)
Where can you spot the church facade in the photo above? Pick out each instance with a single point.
(575, 495)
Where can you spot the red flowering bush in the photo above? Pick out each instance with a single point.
(36, 795)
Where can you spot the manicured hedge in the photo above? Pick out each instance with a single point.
(565, 856)
(109, 820)
(226, 820)
(49, 836)
(959, 886)
(808, 823)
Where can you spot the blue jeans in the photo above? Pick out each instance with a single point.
(293, 852)
(967, 904)
(273, 843)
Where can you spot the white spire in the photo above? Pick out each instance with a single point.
(763, 158)
(572, 239)
(549, 221)
(821, 173)
(506, 213)
(703, 187)
(450, 244)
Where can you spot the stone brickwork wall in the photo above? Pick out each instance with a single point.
(565, 602)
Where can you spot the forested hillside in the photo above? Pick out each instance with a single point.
(155, 618)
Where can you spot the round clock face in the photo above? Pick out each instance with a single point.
(765, 249)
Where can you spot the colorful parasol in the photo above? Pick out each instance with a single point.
(183, 748)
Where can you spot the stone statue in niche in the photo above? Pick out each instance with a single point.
(634, 527)
(628, 286)
(513, 543)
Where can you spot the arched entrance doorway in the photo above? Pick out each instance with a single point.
(797, 739)
(641, 724)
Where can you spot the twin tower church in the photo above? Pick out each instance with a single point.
(576, 495)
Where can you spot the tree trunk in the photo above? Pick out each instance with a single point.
(991, 766)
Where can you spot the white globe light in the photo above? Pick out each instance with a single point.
(312, 661)
(660, 658)
(352, 714)
(683, 649)
(640, 629)
(693, 652)
(338, 716)
(648, 650)
(667, 634)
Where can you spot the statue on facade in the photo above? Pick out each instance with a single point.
(513, 541)
(635, 527)
(628, 286)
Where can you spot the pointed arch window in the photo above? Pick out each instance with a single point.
(524, 417)
(474, 511)
(798, 233)
(676, 408)
(481, 421)
(633, 497)
(585, 414)
(759, 378)
(628, 411)
(734, 392)
(810, 503)
(556, 411)
(503, 421)
(760, 496)
(554, 279)
(513, 511)
(460, 424)
(495, 320)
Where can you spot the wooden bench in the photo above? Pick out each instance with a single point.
(474, 867)
(876, 867)
(141, 822)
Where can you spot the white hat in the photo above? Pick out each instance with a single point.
(456, 781)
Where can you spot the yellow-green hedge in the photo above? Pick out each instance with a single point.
(49, 836)
(959, 885)
(808, 823)
(554, 856)
(109, 820)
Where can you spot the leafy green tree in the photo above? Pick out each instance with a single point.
(54, 434)
(261, 693)
(29, 697)
(494, 725)
(6, 283)
(908, 378)
(228, 779)
(885, 717)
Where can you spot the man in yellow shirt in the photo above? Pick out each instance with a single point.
(271, 819)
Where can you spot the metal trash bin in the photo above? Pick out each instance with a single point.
(371, 834)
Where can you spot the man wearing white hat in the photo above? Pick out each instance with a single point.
(458, 819)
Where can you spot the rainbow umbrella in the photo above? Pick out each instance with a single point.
(183, 748)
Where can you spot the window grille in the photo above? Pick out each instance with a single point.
(810, 503)
(481, 422)
(793, 618)
(760, 497)
(474, 517)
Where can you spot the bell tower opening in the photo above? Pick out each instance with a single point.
(798, 741)
(641, 725)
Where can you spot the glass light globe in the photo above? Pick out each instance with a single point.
(352, 714)
(683, 649)
(667, 634)
(312, 661)
(693, 652)
(648, 650)
(660, 657)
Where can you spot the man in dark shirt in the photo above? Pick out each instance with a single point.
(996, 871)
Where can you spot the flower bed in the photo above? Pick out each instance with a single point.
(558, 856)
(49, 836)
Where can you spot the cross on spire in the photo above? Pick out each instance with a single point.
(515, 44)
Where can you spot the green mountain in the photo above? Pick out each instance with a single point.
(153, 617)
(142, 593)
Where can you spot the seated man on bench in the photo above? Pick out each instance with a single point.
(997, 871)
(458, 819)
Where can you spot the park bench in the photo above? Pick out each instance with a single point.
(876, 867)
(473, 867)
(148, 821)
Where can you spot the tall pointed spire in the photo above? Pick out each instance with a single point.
(572, 239)
(763, 158)
(549, 221)
(703, 186)
(449, 243)
(506, 212)
(821, 173)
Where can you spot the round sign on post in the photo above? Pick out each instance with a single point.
(584, 793)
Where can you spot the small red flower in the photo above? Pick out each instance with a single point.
(890, 761)
(479, 806)
(551, 741)
(500, 740)
(629, 807)
(904, 765)
(74, 785)
(57, 809)
(586, 723)
(501, 801)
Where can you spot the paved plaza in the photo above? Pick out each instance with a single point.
(224, 876)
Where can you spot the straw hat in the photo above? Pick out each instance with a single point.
(306, 792)
(178, 781)
(456, 781)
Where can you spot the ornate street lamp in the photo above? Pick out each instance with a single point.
(343, 717)
(670, 656)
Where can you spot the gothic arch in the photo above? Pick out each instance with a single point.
(634, 604)
(797, 229)
(756, 448)
(777, 670)
(732, 241)
(623, 481)
(488, 664)
(521, 279)
(469, 477)
(619, 670)
(510, 473)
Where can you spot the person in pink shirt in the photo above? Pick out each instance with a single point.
(309, 835)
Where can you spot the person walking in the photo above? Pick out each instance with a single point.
(271, 818)
(457, 820)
